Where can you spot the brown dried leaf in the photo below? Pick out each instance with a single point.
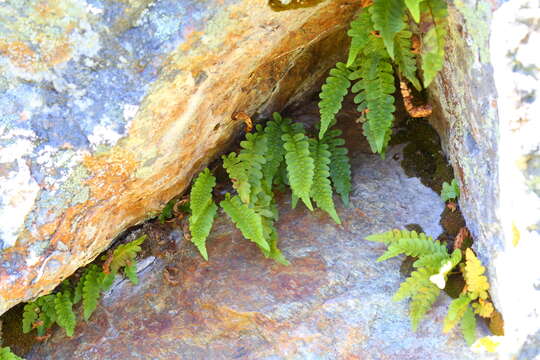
(240, 115)
(415, 111)
(460, 237)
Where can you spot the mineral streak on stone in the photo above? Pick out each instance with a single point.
(486, 111)
(110, 107)
(333, 302)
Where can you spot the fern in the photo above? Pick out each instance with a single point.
(468, 326)
(450, 191)
(422, 301)
(130, 271)
(125, 254)
(321, 191)
(6, 354)
(405, 58)
(409, 287)
(413, 246)
(483, 308)
(47, 314)
(332, 94)
(30, 316)
(340, 167)
(203, 210)
(434, 39)
(456, 310)
(375, 87)
(245, 169)
(65, 317)
(300, 164)
(275, 151)
(414, 8)
(359, 32)
(477, 284)
(92, 287)
(387, 17)
(246, 220)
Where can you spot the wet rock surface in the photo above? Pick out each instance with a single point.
(333, 302)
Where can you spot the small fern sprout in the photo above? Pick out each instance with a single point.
(203, 210)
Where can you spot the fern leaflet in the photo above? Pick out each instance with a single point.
(246, 220)
(456, 310)
(130, 271)
(483, 308)
(422, 301)
(65, 317)
(414, 9)
(300, 165)
(468, 326)
(360, 29)
(30, 316)
(125, 254)
(387, 17)
(340, 168)
(405, 58)
(477, 284)
(321, 191)
(91, 290)
(332, 94)
(245, 169)
(375, 89)
(47, 314)
(275, 154)
(434, 39)
(203, 210)
(413, 247)
(6, 354)
(411, 285)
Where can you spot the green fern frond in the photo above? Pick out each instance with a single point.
(245, 169)
(332, 94)
(375, 88)
(30, 316)
(430, 261)
(387, 17)
(130, 271)
(6, 354)
(456, 310)
(91, 290)
(321, 190)
(246, 220)
(125, 254)
(389, 237)
(77, 292)
(410, 286)
(414, 9)
(47, 314)
(65, 317)
(203, 210)
(434, 39)
(405, 59)
(450, 191)
(300, 165)
(468, 326)
(416, 246)
(340, 167)
(275, 153)
(359, 32)
(421, 302)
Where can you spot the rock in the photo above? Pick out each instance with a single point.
(109, 108)
(333, 302)
(492, 143)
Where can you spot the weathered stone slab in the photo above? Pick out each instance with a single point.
(487, 115)
(110, 107)
(333, 302)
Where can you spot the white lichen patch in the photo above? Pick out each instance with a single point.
(18, 192)
(104, 134)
